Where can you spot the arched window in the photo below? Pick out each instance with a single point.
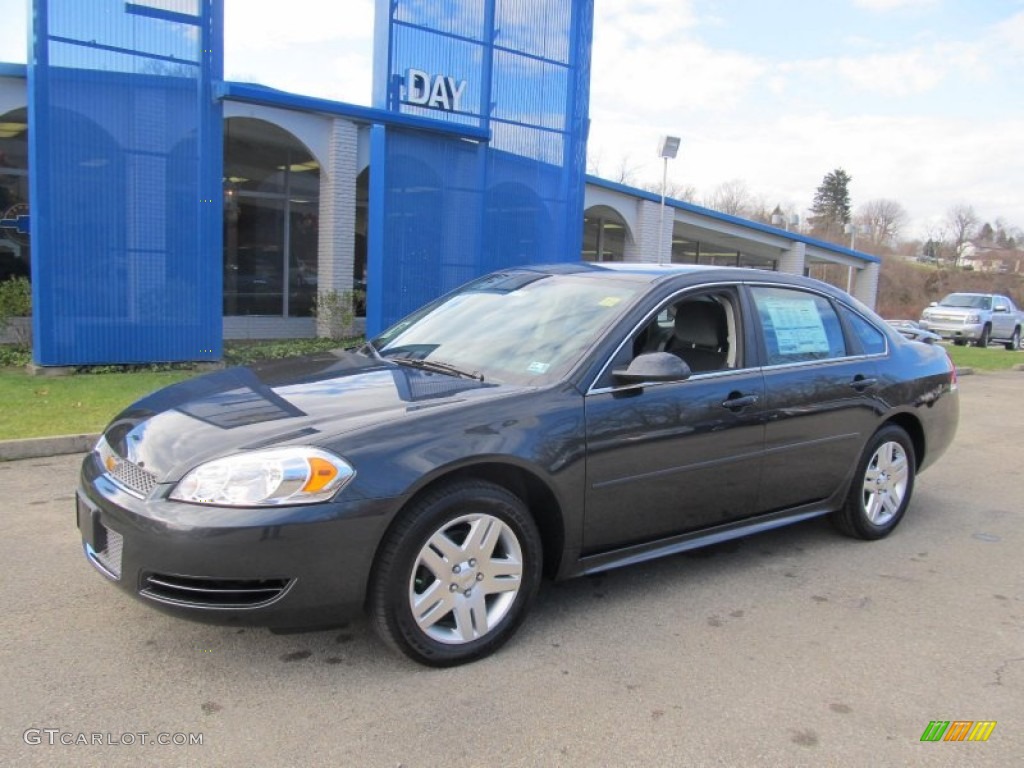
(14, 240)
(271, 221)
(604, 234)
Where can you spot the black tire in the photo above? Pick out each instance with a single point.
(960, 342)
(417, 563)
(1014, 343)
(982, 341)
(873, 511)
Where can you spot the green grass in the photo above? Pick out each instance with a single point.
(992, 358)
(40, 406)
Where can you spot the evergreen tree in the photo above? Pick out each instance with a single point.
(831, 207)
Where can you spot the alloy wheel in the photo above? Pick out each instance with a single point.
(885, 482)
(465, 579)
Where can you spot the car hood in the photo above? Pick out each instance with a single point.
(296, 401)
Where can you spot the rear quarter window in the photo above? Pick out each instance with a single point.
(872, 340)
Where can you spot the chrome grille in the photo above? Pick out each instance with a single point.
(134, 477)
(108, 559)
(213, 593)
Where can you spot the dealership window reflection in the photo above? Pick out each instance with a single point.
(14, 242)
(271, 224)
(604, 234)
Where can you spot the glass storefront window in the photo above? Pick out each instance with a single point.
(15, 249)
(604, 235)
(271, 221)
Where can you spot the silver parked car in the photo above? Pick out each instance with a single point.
(977, 317)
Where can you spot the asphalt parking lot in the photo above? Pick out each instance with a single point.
(797, 647)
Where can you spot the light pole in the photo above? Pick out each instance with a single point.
(668, 148)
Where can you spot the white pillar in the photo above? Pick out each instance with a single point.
(865, 284)
(336, 251)
(792, 260)
(648, 244)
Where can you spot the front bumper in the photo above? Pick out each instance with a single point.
(954, 330)
(286, 567)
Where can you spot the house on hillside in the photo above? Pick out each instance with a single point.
(990, 258)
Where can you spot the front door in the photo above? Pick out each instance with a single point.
(667, 458)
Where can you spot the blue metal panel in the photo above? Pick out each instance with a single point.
(450, 209)
(125, 161)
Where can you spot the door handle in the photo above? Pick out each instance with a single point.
(737, 401)
(860, 383)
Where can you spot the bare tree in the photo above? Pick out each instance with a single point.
(731, 197)
(673, 189)
(962, 222)
(626, 173)
(759, 209)
(882, 220)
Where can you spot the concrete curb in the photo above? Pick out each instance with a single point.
(39, 447)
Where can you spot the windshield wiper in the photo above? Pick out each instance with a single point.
(436, 366)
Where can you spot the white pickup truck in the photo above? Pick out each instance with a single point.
(977, 317)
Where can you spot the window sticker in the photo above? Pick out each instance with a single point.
(538, 368)
(609, 301)
(798, 326)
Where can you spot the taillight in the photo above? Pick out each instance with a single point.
(953, 385)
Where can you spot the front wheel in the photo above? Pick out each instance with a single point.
(1014, 343)
(982, 341)
(456, 574)
(881, 487)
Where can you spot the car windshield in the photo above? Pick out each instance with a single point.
(967, 300)
(515, 327)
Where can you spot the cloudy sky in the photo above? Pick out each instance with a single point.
(919, 100)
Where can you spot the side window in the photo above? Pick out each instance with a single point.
(872, 340)
(1001, 304)
(798, 326)
(701, 329)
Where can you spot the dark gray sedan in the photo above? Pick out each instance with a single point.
(557, 421)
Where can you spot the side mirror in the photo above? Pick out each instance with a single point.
(1000, 309)
(653, 366)
(934, 304)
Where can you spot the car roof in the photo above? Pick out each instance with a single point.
(646, 272)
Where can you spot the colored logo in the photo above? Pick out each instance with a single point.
(14, 222)
(958, 730)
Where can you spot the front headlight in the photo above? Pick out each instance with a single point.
(294, 475)
(971, 319)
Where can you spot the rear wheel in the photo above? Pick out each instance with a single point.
(1014, 343)
(456, 574)
(881, 489)
(983, 339)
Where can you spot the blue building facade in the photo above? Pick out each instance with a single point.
(507, 192)
(125, 159)
(160, 210)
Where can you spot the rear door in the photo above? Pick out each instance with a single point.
(820, 384)
(1002, 318)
